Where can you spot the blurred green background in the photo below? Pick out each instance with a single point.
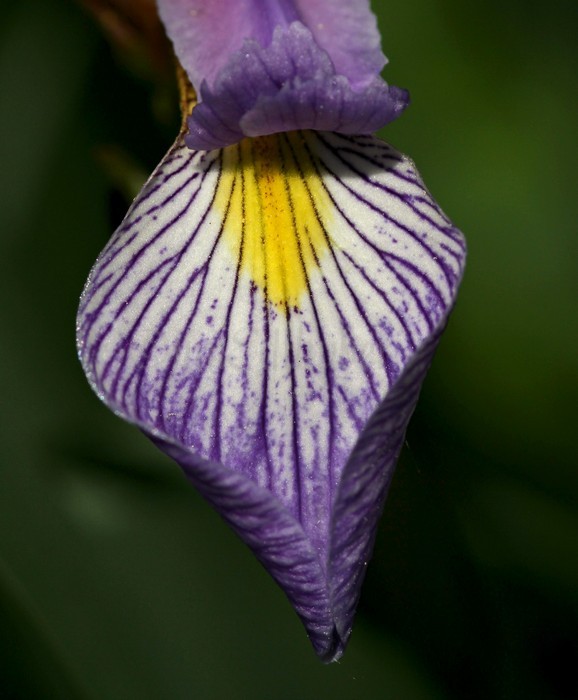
(116, 579)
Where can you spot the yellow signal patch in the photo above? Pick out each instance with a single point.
(277, 212)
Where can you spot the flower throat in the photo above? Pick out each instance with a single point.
(276, 213)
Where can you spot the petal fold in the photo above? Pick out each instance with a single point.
(285, 65)
(290, 85)
(266, 313)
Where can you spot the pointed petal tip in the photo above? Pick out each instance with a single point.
(333, 649)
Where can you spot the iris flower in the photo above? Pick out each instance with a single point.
(268, 308)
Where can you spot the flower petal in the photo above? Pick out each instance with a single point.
(266, 313)
(347, 30)
(290, 85)
(205, 33)
(293, 65)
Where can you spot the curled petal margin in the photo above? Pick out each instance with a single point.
(267, 313)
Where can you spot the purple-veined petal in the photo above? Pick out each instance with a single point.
(282, 65)
(266, 313)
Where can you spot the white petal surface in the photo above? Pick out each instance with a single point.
(256, 307)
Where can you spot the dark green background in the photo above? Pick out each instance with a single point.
(116, 580)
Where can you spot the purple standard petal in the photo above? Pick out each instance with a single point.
(283, 65)
(267, 313)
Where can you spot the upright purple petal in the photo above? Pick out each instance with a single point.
(205, 34)
(266, 313)
(282, 65)
(290, 85)
(347, 30)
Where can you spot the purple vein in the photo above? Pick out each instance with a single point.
(227, 323)
(386, 359)
(122, 277)
(448, 272)
(325, 351)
